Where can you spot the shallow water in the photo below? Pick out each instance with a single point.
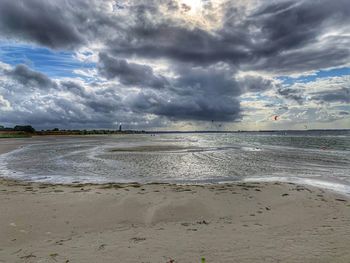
(317, 158)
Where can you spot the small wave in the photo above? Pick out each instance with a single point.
(339, 187)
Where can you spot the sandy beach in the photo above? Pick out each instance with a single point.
(244, 222)
(174, 131)
(157, 223)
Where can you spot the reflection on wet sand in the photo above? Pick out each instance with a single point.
(153, 148)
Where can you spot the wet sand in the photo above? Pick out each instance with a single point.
(7, 145)
(250, 222)
(153, 148)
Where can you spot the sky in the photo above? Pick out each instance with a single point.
(175, 64)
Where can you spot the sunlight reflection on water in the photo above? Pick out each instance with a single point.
(184, 158)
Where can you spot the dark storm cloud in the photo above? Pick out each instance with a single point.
(130, 74)
(288, 38)
(43, 22)
(187, 107)
(195, 93)
(336, 95)
(286, 29)
(275, 38)
(291, 24)
(30, 78)
(74, 88)
(278, 37)
(68, 24)
(255, 84)
(202, 94)
(207, 81)
(291, 93)
(195, 45)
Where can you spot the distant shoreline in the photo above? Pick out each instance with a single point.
(253, 131)
(21, 134)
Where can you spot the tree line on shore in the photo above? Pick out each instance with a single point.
(28, 129)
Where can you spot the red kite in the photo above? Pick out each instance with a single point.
(275, 117)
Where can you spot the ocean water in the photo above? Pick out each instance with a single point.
(309, 157)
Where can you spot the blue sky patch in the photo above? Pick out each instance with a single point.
(338, 72)
(55, 64)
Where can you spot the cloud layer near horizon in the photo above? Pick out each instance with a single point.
(169, 64)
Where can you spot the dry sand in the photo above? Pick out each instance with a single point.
(252, 222)
(156, 223)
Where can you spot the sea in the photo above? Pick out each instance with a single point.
(318, 158)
